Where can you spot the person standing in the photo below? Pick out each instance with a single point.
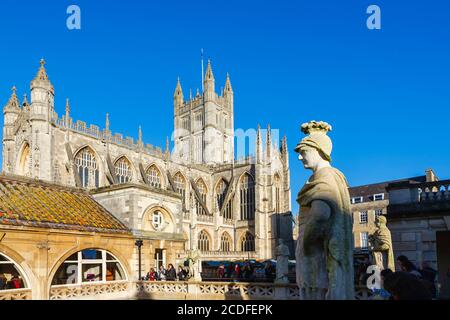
(162, 273)
(171, 273)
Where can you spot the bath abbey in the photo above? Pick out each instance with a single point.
(68, 188)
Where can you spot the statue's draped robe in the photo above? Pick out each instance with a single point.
(330, 267)
(282, 255)
(383, 253)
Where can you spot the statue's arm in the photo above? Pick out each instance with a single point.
(320, 213)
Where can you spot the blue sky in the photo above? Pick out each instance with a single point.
(385, 92)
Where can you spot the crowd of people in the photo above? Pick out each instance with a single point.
(410, 283)
(167, 274)
(247, 272)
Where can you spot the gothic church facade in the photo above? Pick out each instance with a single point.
(197, 197)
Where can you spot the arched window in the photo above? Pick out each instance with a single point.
(157, 220)
(154, 176)
(203, 241)
(248, 242)
(221, 189)
(124, 173)
(10, 275)
(201, 186)
(25, 161)
(87, 168)
(247, 197)
(180, 184)
(277, 194)
(89, 265)
(225, 242)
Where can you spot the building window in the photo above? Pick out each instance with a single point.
(201, 186)
(25, 161)
(247, 197)
(154, 176)
(378, 212)
(87, 168)
(363, 217)
(123, 169)
(89, 265)
(221, 189)
(357, 200)
(364, 240)
(378, 197)
(225, 242)
(10, 276)
(198, 148)
(185, 123)
(160, 258)
(157, 220)
(198, 120)
(180, 185)
(277, 194)
(203, 241)
(248, 242)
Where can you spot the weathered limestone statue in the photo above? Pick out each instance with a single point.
(282, 254)
(194, 261)
(324, 250)
(381, 245)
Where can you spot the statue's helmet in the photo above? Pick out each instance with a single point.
(316, 138)
(381, 220)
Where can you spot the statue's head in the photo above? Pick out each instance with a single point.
(380, 221)
(316, 146)
(280, 242)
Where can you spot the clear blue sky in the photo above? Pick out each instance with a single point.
(386, 93)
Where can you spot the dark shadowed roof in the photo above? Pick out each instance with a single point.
(368, 190)
(32, 203)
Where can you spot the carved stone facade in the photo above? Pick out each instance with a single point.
(237, 206)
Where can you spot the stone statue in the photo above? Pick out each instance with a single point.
(282, 254)
(194, 267)
(381, 245)
(324, 250)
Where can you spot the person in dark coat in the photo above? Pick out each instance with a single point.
(171, 273)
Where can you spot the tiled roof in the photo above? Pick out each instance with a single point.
(26, 202)
(368, 190)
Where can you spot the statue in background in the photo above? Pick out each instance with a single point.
(381, 245)
(282, 254)
(324, 250)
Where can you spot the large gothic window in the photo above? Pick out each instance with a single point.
(154, 176)
(225, 242)
(201, 186)
(203, 241)
(247, 197)
(277, 194)
(89, 265)
(180, 184)
(124, 172)
(248, 242)
(220, 193)
(10, 275)
(87, 168)
(25, 161)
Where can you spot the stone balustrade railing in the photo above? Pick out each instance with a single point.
(205, 218)
(106, 290)
(434, 191)
(229, 254)
(15, 294)
(175, 290)
(94, 131)
(224, 291)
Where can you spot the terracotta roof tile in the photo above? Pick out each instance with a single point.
(25, 202)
